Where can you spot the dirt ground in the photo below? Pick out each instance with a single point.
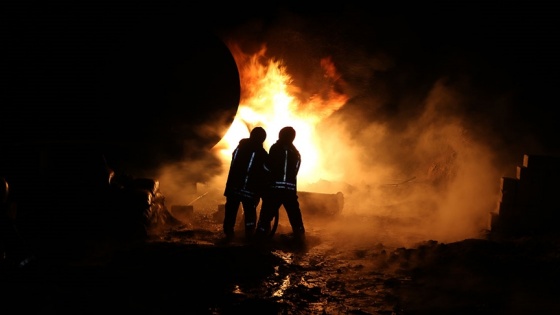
(188, 268)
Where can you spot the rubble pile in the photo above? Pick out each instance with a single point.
(70, 198)
(528, 203)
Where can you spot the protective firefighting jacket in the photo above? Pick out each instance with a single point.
(283, 165)
(247, 176)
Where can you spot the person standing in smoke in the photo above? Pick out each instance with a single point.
(283, 165)
(245, 181)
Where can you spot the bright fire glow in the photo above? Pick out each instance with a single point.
(269, 99)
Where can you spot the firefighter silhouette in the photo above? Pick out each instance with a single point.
(283, 165)
(245, 182)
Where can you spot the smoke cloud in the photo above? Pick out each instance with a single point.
(420, 146)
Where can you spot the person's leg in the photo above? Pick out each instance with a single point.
(230, 215)
(250, 216)
(291, 204)
(270, 206)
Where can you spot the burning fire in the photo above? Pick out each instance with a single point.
(419, 166)
(269, 99)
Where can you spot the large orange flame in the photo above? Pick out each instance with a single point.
(269, 99)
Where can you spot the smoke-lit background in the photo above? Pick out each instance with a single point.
(444, 99)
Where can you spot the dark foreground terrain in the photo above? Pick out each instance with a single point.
(188, 269)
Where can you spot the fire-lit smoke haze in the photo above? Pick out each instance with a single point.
(418, 164)
(430, 176)
(269, 99)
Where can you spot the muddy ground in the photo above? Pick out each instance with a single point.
(188, 268)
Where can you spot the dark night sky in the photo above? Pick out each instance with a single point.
(60, 54)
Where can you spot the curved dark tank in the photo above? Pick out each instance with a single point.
(89, 93)
(142, 89)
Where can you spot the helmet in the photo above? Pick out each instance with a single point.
(287, 134)
(258, 134)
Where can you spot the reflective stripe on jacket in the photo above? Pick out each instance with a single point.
(283, 164)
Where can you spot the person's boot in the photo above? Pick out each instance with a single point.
(299, 234)
(229, 235)
(249, 234)
(262, 234)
